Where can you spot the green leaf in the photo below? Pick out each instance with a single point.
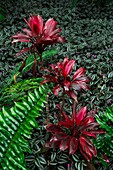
(16, 126)
(74, 2)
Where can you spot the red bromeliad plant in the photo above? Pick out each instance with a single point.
(60, 75)
(39, 35)
(73, 133)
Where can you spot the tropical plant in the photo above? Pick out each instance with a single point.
(39, 36)
(16, 126)
(74, 133)
(60, 75)
(67, 130)
(104, 143)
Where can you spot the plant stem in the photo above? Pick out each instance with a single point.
(90, 166)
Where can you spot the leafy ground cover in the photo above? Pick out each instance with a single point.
(89, 33)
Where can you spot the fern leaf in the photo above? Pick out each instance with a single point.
(105, 121)
(16, 126)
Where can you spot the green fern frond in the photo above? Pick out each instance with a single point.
(105, 141)
(18, 91)
(16, 126)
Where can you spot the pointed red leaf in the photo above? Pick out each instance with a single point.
(28, 32)
(61, 39)
(78, 73)
(68, 67)
(91, 126)
(72, 95)
(87, 146)
(81, 114)
(84, 86)
(87, 121)
(97, 132)
(20, 40)
(84, 154)
(88, 134)
(65, 143)
(83, 79)
(66, 60)
(56, 31)
(75, 86)
(50, 25)
(36, 24)
(73, 146)
(40, 24)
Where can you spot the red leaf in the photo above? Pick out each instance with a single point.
(20, 40)
(83, 79)
(27, 31)
(75, 86)
(75, 131)
(72, 95)
(36, 24)
(78, 73)
(68, 67)
(87, 146)
(97, 131)
(50, 25)
(87, 121)
(84, 86)
(53, 128)
(61, 39)
(91, 126)
(53, 143)
(40, 24)
(84, 142)
(23, 51)
(67, 124)
(58, 30)
(89, 134)
(65, 143)
(81, 114)
(84, 154)
(56, 90)
(60, 135)
(73, 146)
(66, 60)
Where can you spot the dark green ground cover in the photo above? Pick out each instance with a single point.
(89, 32)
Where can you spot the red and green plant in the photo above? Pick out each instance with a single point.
(39, 35)
(73, 130)
(73, 133)
(60, 75)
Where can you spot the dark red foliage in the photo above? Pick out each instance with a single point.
(60, 75)
(81, 125)
(39, 35)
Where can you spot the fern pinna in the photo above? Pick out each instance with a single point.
(16, 127)
(105, 142)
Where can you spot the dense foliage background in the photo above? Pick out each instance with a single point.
(89, 33)
(88, 28)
